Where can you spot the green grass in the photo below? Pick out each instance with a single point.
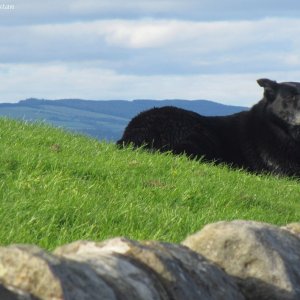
(83, 189)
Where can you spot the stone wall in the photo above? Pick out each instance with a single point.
(225, 260)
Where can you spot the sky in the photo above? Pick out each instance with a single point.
(147, 49)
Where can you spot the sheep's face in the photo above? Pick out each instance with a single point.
(283, 101)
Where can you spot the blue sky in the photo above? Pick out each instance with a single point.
(116, 49)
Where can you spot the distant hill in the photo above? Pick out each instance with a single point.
(101, 119)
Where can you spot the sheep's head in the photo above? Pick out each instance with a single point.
(283, 101)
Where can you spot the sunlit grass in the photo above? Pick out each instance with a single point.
(57, 187)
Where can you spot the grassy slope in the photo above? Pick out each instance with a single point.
(84, 189)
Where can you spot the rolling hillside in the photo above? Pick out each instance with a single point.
(104, 120)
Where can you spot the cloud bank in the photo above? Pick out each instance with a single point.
(147, 49)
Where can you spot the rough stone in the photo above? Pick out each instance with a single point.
(293, 228)
(45, 276)
(226, 260)
(9, 293)
(264, 259)
(154, 270)
(129, 279)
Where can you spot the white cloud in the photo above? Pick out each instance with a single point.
(148, 58)
(200, 37)
(81, 80)
(42, 12)
(292, 59)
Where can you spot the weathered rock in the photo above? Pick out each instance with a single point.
(262, 262)
(293, 228)
(264, 259)
(115, 269)
(37, 272)
(129, 279)
(14, 294)
(153, 270)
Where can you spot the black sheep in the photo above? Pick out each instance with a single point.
(264, 139)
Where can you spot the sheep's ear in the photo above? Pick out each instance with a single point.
(271, 88)
(267, 83)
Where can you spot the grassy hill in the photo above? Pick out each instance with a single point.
(56, 187)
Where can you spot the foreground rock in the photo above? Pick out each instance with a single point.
(264, 259)
(115, 269)
(39, 273)
(293, 228)
(226, 260)
(162, 270)
(14, 294)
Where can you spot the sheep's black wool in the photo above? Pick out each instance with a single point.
(264, 139)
